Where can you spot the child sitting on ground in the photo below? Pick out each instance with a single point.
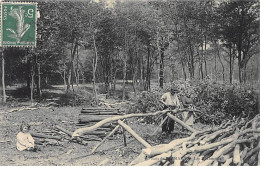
(24, 139)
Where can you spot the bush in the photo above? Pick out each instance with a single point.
(217, 102)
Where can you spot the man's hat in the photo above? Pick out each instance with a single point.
(175, 90)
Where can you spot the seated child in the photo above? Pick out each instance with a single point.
(24, 138)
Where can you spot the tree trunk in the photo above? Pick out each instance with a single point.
(77, 69)
(32, 81)
(223, 68)
(161, 67)
(191, 61)
(183, 68)
(201, 58)
(39, 92)
(28, 69)
(230, 65)
(64, 76)
(204, 57)
(94, 66)
(124, 75)
(71, 72)
(3, 76)
(147, 84)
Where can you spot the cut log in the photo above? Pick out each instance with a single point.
(93, 118)
(104, 139)
(223, 150)
(107, 125)
(244, 154)
(101, 109)
(258, 163)
(99, 113)
(127, 128)
(257, 148)
(155, 159)
(236, 155)
(140, 158)
(228, 162)
(82, 131)
(45, 136)
(79, 140)
(181, 122)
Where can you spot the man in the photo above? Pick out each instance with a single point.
(171, 101)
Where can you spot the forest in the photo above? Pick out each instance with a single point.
(125, 54)
(138, 42)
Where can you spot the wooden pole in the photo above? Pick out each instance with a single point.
(181, 122)
(124, 137)
(104, 139)
(134, 134)
(160, 125)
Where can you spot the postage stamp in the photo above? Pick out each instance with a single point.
(18, 24)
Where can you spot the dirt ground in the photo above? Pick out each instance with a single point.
(65, 152)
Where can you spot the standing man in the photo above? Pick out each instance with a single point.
(171, 101)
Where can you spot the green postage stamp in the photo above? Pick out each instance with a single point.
(18, 24)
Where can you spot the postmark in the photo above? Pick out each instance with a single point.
(18, 24)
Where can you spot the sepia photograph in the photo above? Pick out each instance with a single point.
(129, 83)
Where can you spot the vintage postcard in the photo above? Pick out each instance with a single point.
(129, 83)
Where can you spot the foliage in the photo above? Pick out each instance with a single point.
(216, 102)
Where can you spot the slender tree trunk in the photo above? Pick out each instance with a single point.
(216, 75)
(161, 66)
(239, 65)
(124, 76)
(28, 70)
(257, 72)
(39, 91)
(147, 84)
(222, 65)
(3, 77)
(94, 66)
(244, 73)
(32, 79)
(141, 72)
(64, 76)
(77, 69)
(204, 57)
(230, 66)
(191, 60)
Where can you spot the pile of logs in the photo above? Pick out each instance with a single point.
(60, 134)
(90, 116)
(236, 143)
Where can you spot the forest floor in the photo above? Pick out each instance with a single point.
(66, 153)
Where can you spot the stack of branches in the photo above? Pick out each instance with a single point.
(58, 135)
(234, 143)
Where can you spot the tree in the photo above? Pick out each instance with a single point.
(240, 28)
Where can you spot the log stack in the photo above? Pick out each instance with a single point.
(236, 143)
(90, 116)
